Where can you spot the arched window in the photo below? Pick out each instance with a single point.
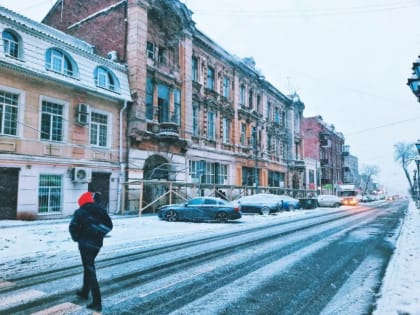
(61, 62)
(105, 79)
(11, 44)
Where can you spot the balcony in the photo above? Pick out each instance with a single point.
(164, 130)
(298, 165)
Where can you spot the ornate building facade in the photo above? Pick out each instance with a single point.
(198, 112)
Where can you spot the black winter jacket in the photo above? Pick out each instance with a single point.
(89, 225)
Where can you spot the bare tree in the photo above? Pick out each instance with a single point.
(404, 154)
(368, 171)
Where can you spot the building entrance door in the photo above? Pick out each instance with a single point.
(9, 180)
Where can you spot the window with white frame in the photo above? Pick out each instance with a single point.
(99, 125)
(60, 62)
(211, 130)
(50, 193)
(226, 130)
(10, 44)
(52, 116)
(150, 50)
(105, 79)
(8, 113)
(207, 172)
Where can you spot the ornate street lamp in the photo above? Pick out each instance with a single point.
(414, 83)
(416, 68)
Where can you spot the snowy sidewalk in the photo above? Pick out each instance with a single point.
(400, 293)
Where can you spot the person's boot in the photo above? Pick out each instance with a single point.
(96, 304)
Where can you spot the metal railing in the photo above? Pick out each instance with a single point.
(146, 196)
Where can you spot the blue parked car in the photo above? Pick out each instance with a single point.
(289, 203)
(201, 209)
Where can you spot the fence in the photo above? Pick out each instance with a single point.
(146, 196)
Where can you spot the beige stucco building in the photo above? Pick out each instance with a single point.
(61, 120)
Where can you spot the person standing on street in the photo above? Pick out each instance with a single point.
(88, 227)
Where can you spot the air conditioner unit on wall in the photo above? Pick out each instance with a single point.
(82, 116)
(81, 175)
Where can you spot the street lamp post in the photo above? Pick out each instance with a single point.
(418, 176)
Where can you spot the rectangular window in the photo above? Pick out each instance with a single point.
(226, 87)
(163, 103)
(250, 176)
(57, 61)
(11, 47)
(177, 107)
(149, 99)
(162, 56)
(194, 64)
(243, 134)
(50, 193)
(195, 122)
(254, 138)
(211, 130)
(52, 121)
(8, 113)
(269, 109)
(221, 173)
(258, 103)
(242, 96)
(226, 130)
(251, 99)
(210, 78)
(277, 116)
(150, 50)
(99, 129)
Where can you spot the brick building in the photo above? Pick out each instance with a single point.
(323, 149)
(61, 120)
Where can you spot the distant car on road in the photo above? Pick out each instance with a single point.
(201, 209)
(329, 201)
(289, 203)
(260, 203)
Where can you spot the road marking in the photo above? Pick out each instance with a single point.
(193, 275)
(6, 284)
(20, 298)
(59, 309)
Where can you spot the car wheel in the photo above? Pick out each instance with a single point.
(265, 211)
(291, 207)
(337, 205)
(171, 216)
(221, 217)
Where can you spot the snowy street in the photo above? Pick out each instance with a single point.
(326, 256)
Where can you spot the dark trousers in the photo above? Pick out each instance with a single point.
(90, 282)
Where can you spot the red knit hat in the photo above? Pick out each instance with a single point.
(85, 198)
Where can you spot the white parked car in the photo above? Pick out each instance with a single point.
(329, 201)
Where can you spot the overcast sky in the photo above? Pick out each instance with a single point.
(349, 62)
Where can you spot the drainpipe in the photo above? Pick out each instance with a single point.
(120, 154)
